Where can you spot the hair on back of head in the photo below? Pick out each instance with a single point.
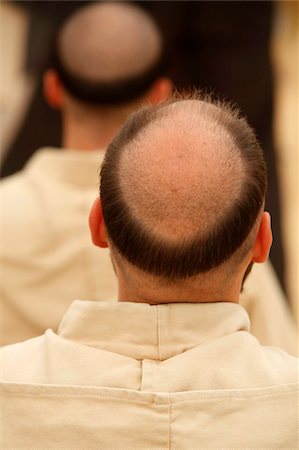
(196, 222)
(109, 53)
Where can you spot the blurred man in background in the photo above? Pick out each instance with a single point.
(173, 363)
(97, 79)
(108, 61)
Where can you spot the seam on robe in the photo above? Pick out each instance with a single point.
(158, 333)
(169, 421)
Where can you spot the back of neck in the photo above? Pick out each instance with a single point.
(86, 135)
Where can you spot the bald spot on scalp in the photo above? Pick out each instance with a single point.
(109, 41)
(182, 174)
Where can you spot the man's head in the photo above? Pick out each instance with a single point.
(108, 58)
(182, 189)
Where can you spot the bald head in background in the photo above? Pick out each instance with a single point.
(109, 54)
(182, 188)
(107, 42)
(108, 60)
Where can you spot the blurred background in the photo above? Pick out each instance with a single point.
(247, 52)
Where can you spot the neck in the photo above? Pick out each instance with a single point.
(223, 285)
(87, 134)
(194, 291)
(156, 297)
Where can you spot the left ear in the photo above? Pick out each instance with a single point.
(263, 241)
(96, 225)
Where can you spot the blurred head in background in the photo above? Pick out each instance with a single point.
(108, 59)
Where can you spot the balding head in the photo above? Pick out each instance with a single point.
(182, 187)
(108, 52)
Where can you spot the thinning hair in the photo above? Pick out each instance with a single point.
(108, 53)
(182, 186)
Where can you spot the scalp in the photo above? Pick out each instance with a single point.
(182, 187)
(182, 173)
(109, 41)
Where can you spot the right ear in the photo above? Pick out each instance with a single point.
(53, 91)
(97, 225)
(262, 246)
(160, 91)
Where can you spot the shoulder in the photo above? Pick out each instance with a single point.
(11, 185)
(281, 367)
(16, 193)
(20, 207)
(24, 182)
(19, 362)
(13, 199)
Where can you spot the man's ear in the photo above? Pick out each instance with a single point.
(263, 241)
(160, 91)
(96, 225)
(53, 91)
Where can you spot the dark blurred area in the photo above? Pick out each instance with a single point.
(220, 46)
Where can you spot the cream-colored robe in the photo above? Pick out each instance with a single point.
(47, 259)
(135, 376)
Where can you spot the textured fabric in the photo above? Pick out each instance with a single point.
(47, 259)
(126, 375)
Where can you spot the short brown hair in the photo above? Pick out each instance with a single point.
(195, 254)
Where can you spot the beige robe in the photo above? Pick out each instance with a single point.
(135, 376)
